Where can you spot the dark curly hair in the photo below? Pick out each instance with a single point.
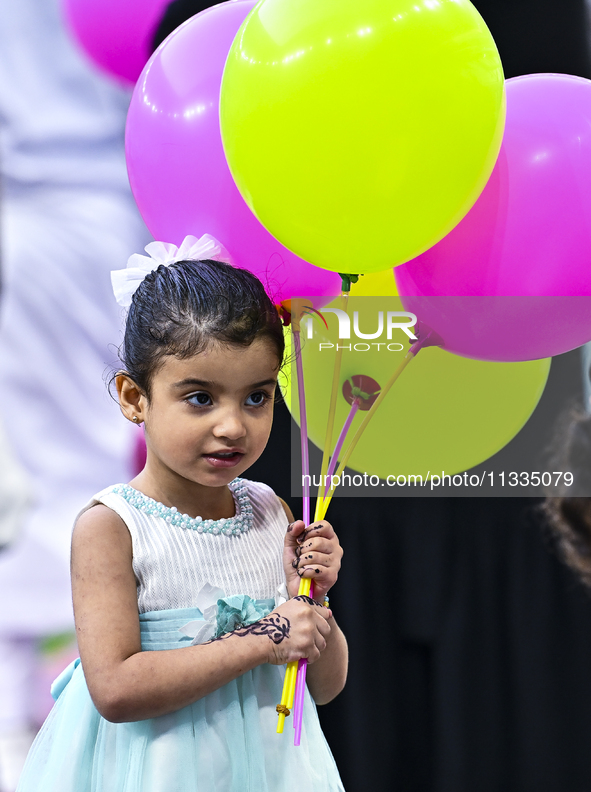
(569, 518)
(182, 308)
(570, 522)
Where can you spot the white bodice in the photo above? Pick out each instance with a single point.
(172, 563)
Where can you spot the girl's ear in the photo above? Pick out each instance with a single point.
(132, 400)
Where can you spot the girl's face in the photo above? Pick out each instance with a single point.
(210, 415)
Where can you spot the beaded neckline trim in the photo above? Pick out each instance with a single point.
(230, 526)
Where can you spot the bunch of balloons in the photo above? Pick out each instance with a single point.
(355, 135)
(332, 136)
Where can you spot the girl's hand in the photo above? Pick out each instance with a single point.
(312, 552)
(298, 629)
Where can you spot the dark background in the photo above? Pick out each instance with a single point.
(531, 449)
(470, 643)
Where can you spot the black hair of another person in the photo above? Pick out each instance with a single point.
(182, 308)
(175, 14)
(569, 518)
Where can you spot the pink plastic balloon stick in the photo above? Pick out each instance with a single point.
(303, 426)
(298, 709)
(346, 426)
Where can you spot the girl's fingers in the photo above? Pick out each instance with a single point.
(320, 644)
(324, 627)
(317, 552)
(294, 533)
(321, 573)
(320, 528)
(312, 553)
(321, 635)
(315, 603)
(314, 560)
(319, 544)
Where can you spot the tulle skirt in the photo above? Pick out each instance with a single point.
(225, 742)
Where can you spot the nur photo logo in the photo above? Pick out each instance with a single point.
(387, 323)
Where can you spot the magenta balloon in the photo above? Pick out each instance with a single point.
(116, 34)
(176, 163)
(527, 239)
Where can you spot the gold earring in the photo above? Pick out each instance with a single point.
(135, 419)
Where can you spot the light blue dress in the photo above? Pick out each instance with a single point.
(226, 741)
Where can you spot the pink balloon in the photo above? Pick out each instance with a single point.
(116, 34)
(176, 163)
(518, 266)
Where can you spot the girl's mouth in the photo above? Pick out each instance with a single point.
(224, 460)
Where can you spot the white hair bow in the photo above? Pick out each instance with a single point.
(126, 281)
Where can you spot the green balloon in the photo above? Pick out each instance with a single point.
(445, 412)
(360, 132)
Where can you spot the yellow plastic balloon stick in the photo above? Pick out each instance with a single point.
(351, 447)
(289, 683)
(292, 686)
(284, 697)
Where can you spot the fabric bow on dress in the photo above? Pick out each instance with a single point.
(223, 614)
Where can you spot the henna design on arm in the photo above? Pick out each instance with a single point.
(274, 626)
(309, 600)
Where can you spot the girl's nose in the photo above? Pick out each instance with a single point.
(230, 425)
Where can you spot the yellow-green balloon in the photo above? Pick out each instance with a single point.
(445, 412)
(375, 284)
(360, 132)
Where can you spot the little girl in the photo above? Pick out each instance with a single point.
(185, 580)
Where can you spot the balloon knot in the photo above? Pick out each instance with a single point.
(361, 389)
(358, 393)
(284, 315)
(347, 279)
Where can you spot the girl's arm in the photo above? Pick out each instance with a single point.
(326, 677)
(316, 552)
(127, 684)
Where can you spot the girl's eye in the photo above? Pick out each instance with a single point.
(201, 399)
(257, 399)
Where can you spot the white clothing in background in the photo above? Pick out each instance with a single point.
(15, 493)
(61, 123)
(68, 218)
